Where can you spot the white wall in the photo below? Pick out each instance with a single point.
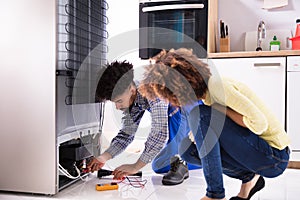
(244, 15)
(123, 19)
(123, 16)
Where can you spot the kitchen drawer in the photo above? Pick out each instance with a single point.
(265, 76)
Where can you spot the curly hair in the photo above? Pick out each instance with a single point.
(114, 79)
(177, 76)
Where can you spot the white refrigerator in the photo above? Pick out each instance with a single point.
(40, 118)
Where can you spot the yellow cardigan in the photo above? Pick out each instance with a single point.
(256, 115)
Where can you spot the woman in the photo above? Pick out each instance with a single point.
(234, 131)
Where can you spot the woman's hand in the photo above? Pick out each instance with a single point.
(219, 108)
(235, 116)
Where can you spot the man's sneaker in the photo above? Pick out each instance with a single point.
(178, 172)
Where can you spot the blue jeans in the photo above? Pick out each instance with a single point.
(225, 147)
(178, 130)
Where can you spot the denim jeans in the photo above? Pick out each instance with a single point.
(225, 147)
(178, 130)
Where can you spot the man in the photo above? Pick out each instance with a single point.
(117, 85)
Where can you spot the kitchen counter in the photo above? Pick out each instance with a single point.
(248, 54)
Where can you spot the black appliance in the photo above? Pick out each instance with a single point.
(166, 24)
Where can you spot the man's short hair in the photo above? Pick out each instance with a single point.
(114, 79)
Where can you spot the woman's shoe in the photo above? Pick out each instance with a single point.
(260, 184)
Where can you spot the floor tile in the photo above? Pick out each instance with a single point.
(284, 187)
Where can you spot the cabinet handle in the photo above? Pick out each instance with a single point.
(172, 7)
(267, 64)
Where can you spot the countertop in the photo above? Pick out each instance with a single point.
(249, 54)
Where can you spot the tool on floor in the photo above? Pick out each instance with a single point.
(107, 186)
(104, 172)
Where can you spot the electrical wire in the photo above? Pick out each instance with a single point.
(101, 116)
(134, 183)
(129, 180)
(67, 174)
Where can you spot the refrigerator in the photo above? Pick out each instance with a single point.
(50, 52)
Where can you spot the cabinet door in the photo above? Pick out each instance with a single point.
(265, 76)
(293, 106)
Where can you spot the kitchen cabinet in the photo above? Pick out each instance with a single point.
(275, 80)
(265, 76)
(293, 106)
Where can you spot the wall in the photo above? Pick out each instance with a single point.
(244, 15)
(123, 23)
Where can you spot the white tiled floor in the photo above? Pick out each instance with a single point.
(284, 187)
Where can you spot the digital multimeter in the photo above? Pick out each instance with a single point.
(107, 186)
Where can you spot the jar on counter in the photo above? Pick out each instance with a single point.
(274, 44)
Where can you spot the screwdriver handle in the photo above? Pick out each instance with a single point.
(104, 172)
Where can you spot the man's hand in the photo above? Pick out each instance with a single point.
(124, 170)
(127, 169)
(97, 163)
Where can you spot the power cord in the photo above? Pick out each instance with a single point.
(67, 174)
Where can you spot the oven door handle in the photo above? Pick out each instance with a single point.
(172, 7)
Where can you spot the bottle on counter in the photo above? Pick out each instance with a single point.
(297, 33)
(274, 44)
(296, 40)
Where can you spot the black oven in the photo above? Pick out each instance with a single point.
(166, 24)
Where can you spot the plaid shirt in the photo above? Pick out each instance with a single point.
(159, 128)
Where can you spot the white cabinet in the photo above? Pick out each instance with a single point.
(293, 105)
(265, 76)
